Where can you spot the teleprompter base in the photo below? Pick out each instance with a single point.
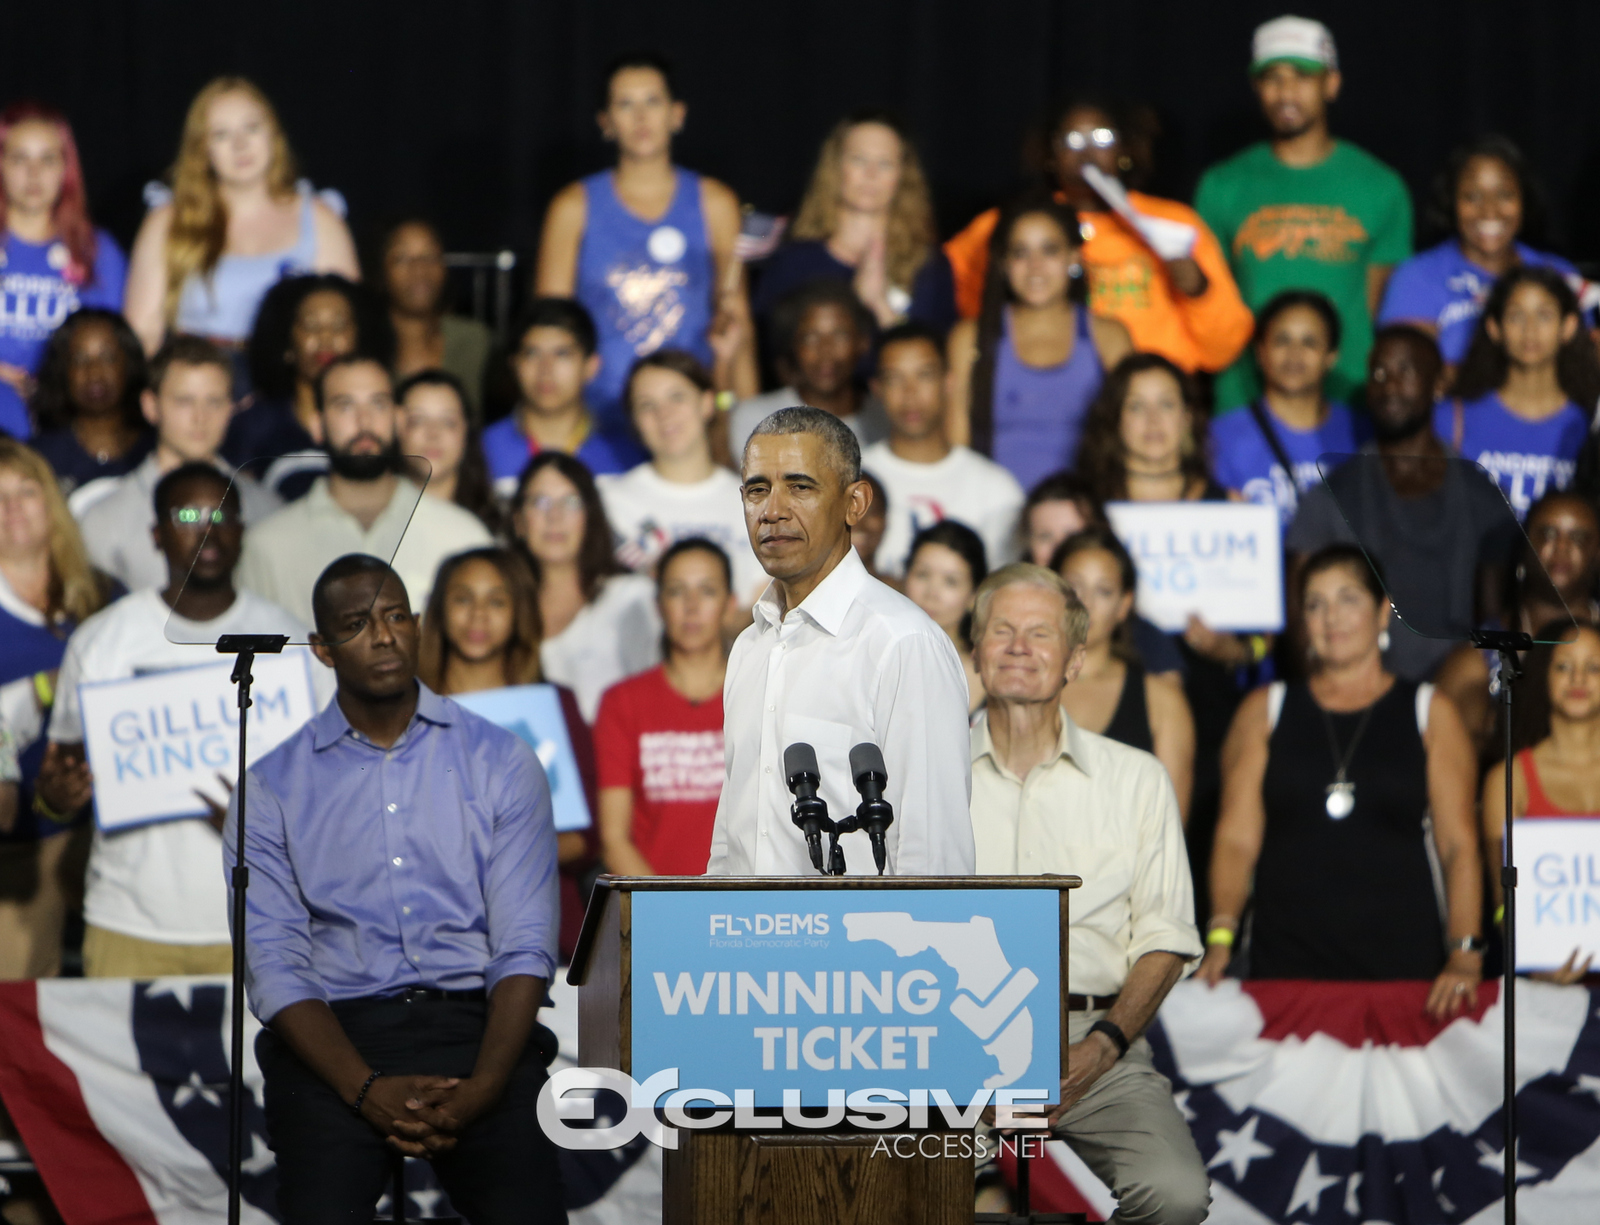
(745, 1178)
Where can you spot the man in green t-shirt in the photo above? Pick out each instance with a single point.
(1303, 210)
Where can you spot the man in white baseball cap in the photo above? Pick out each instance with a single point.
(1303, 210)
(1306, 44)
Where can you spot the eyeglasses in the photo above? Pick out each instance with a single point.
(194, 516)
(1098, 138)
(547, 503)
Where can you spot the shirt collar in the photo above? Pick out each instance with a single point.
(1069, 744)
(19, 608)
(331, 726)
(828, 602)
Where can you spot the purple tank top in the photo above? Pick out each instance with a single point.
(1039, 413)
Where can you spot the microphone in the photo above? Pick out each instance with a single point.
(874, 813)
(809, 810)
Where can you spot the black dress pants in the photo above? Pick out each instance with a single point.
(333, 1167)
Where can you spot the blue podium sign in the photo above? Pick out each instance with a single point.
(752, 993)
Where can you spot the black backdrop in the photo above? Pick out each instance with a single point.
(474, 112)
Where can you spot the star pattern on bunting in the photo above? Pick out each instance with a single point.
(1237, 1149)
(1491, 1158)
(1308, 1188)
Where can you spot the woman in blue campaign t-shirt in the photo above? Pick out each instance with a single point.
(1297, 343)
(52, 259)
(1524, 397)
(1484, 201)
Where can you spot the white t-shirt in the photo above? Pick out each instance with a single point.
(963, 486)
(648, 513)
(160, 882)
(612, 638)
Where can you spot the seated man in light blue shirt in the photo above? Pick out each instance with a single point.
(400, 931)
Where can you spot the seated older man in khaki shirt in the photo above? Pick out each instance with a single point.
(1048, 796)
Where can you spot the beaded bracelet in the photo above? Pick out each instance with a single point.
(362, 1095)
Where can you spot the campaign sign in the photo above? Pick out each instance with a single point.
(951, 991)
(1222, 561)
(154, 740)
(1558, 890)
(533, 712)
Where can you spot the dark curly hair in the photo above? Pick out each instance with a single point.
(272, 371)
(1102, 465)
(1486, 366)
(52, 408)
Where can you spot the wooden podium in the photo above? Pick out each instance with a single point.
(786, 1176)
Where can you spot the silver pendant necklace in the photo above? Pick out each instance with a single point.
(1341, 801)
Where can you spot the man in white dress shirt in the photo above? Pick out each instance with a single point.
(834, 658)
(1048, 796)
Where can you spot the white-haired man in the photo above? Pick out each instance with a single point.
(1048, 796)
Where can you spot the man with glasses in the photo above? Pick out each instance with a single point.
(365, 504)
(155, 903)
(1302, 210)
(1152, 264)
(190, 402)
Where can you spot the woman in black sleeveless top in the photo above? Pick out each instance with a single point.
(1331, 788)
(1111, 695)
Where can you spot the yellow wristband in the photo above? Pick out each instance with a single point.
(44, 690)
(49, 814)
(1500, 914)
(1220, 935)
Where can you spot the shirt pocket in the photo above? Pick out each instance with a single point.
(832, 742)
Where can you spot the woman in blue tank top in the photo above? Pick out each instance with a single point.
(234, 223)
(648, 248)
(1026, 370)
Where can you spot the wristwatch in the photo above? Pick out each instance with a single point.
(1468, 944)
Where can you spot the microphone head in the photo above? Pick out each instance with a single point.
(799, 759)
(866, 758)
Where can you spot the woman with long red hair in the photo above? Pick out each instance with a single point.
(52, 259)
(237, 221)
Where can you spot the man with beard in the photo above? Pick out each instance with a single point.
(1303, 210)
(364, 505)
(155, 903)
(1437, 528)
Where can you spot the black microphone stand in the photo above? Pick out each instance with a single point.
(246, 647)
(1506, 644)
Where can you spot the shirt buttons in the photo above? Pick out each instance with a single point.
(392, 807)
(405, 910)
(768, 769)
(397, 861)
(770, 709)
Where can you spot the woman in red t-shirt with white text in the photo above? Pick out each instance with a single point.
(1557, 769)
(658, 736)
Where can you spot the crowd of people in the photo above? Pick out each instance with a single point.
(194, 432)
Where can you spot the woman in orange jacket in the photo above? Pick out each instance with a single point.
(1152, 263)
